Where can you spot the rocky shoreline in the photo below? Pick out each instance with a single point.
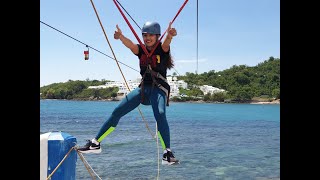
(277, 101)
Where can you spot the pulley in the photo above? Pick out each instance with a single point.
(86, 53)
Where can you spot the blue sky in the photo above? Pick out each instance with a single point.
(230, 32)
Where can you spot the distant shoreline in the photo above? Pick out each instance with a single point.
(249, 102)
(277, 101)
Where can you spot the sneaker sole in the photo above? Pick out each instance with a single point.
(91, 151)
(170, 163)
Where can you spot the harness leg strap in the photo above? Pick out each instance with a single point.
(142, 92)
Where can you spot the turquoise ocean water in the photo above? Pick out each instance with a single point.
(212, 141)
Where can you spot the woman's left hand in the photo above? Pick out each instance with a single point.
(172, 31)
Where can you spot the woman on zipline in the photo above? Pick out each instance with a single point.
(153, 90)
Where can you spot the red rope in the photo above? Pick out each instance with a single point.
(137, 37)
(168, 27)
(135, 34)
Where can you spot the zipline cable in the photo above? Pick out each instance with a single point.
(86, 44)
(93, 47)
(197, 38)
(129, 15)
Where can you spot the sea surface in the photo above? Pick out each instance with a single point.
(212, 141)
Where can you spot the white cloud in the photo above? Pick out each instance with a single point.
(190, 60)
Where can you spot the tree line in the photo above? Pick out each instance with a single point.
(241, 84)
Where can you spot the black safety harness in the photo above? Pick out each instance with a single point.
(155, 76)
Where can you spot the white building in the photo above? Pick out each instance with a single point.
(123, 90)
(175, 85)
(210, 89)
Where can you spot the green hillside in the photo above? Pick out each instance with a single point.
(242, 83)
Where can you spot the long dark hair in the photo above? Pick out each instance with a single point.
(170, 62)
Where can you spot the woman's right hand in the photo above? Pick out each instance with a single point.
(117, 33)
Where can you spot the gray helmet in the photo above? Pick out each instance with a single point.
(151, 28)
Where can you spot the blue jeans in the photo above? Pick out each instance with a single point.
(152, 96)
